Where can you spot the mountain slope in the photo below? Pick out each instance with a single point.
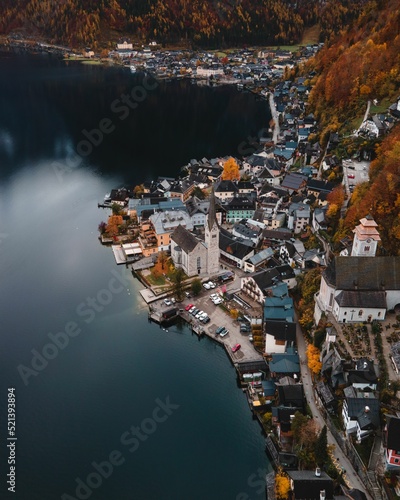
(200, 22)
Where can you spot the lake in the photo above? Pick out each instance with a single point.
(109, 406)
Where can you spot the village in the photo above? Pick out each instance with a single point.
(225, 248)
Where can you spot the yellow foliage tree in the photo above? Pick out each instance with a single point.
(231, 170)
(234, 313)
(282, 486)
(313, 355)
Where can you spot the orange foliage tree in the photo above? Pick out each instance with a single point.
(282, 486)
(313, 355)
(231, 170)
(113, 224)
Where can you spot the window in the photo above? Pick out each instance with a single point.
(367, 248)
(360, 312)
(344, 314)
(198, 262)
(379, 314)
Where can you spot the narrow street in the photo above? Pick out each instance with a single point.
(352, 478)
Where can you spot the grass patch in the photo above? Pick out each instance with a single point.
(92, 62)
(311, 35)
(382, 107)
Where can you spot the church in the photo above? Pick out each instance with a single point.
(362, 286)
(195, 256)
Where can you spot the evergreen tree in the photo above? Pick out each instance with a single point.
(321, 447)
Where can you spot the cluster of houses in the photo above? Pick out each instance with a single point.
(241, 66)
(259, 225)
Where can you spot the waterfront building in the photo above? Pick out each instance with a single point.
(193, 255)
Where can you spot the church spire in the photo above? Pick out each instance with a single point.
(212, 213)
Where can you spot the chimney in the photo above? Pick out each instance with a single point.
(318, 472)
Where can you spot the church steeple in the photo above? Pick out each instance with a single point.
(366, 238)
(211, 238)
(212, 213)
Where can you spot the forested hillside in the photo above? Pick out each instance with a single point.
(361, 64)
(198, 22)
(380, 196)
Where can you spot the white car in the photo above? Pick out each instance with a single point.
(217, 301)
(211, 284)
(199, 314)
(206, 286)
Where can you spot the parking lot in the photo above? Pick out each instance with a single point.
(354, 172)
(219, 317)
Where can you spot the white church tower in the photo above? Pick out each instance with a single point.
(211, 238)
(366, 238)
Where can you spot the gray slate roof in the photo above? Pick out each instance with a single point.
(393, 433)
(184, 239)
(364, 273)
(363, 299)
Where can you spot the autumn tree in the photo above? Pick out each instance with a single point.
(102, 227)
(335, 199)
(282, 485)
(113, 224)
(138, 190)
(162, 259)
(231, 170)
(313, 358)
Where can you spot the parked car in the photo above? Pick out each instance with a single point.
(251, 337)
(206, 319)
(217, 301)
(189, 306)
(219, 329)
(351, 176)
(199, 314)
(206, 286)
(245, 328)
(236, 347)
(224, 333)
(194, 311)
(211, 284)
(167, 302)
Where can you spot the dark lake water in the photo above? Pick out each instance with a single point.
(163, 407)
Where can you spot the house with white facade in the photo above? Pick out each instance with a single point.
(360, 412)
(363, 286)
(279, 335)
